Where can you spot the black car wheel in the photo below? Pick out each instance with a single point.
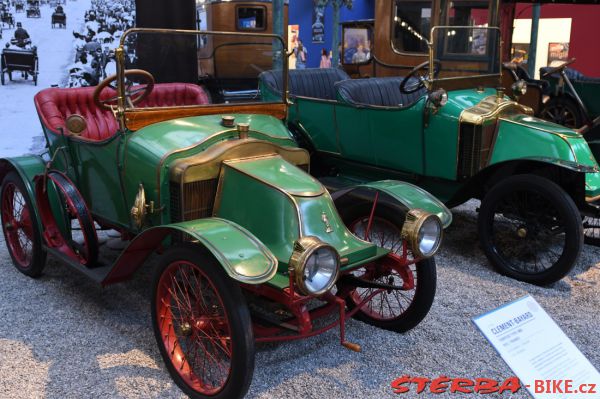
(202, 325)
(399, 309)
(564, 111)
(530, 229)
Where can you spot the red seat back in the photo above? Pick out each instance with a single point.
(55, 105)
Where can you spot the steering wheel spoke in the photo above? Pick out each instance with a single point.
(420, 73)
(133, 95)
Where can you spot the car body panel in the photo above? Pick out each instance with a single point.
(243, 257)
(278, 217)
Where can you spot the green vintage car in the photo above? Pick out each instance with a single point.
(252, 248)
(449, 130)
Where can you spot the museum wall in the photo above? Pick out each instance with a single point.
(583, 43)
(301, 13)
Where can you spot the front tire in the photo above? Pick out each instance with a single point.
(202, 325)
(530, 229)
(395, 310)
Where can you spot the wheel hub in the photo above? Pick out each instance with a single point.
(522, 232)
(186, 329)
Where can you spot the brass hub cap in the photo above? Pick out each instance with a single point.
(522, 232)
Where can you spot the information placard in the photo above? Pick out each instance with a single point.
(539, 352)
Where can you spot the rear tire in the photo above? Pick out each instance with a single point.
(20, 227)
(526, 219)
(202, 337)
(563, 111)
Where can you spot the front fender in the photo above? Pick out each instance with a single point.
(243, 257)
(407, 195)
(526, 137)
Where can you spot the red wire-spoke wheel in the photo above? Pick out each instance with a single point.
(68, 225)
(20, 227)
(409, 286)
(202, 325)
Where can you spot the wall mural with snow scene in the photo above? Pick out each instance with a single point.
(95, 41)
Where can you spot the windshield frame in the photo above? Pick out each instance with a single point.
(473, 80)
(120, 58)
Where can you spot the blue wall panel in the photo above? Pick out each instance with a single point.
(300, 13)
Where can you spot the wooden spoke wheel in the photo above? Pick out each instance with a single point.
(404, 306)
(20, 227)
(202, 325)
(563, 111)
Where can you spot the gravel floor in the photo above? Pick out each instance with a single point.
(64, 337)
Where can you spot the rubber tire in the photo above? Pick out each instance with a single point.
(426, 275)
(237, 312)
(566, 208)
(566, 103)
(38, 261)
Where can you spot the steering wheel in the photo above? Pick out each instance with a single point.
(558, 68)
(418, 72)
(133, 94)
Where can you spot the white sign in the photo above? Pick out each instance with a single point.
(538, 351)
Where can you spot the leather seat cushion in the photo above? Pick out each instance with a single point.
(55, 105)
(312, 82)
(376, 91)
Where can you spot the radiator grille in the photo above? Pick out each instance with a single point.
(195, 201)
(476, 143)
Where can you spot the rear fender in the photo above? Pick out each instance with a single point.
(28, 167)
(243, 257)
(402, 195)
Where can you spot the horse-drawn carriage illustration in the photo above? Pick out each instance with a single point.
(59, 18)
(33, 9)
(24, 61)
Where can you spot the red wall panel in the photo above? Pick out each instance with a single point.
(585, 32)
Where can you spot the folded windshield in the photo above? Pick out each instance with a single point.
(466, 51)
(224, 66)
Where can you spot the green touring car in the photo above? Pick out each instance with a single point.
(448, 127)
(251, 247)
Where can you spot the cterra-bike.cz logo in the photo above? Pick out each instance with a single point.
(442, 384)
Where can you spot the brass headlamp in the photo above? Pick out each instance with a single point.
(315, 264)
(423, 232)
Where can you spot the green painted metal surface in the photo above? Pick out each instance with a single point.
(319, 118)
(276, 172)
(277, 217)
(413, 197)
(157, 146)
(241, 254)
(539, 138)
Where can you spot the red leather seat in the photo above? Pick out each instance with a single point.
(55, 105)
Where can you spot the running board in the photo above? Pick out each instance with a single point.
(97, 274)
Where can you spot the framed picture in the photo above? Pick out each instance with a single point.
(557, 53)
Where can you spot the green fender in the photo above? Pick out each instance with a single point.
(407, 195)
(27, 167)
(526, 137)
(243, 257)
